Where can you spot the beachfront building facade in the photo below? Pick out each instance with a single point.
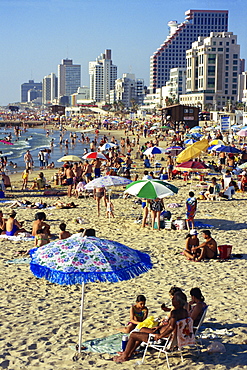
(30, 85)
(128, 90)
(103, 74)
(172, 52)
(49, 90)
(212, 71)
(69, 78)
(242, 88)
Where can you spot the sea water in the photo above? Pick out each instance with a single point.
(35, 139)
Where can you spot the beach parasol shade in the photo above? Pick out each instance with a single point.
(107, 181)
(216, 142)
(69, 158)
(196, 128)
(166, 128)
(227, 149)
(213, 147)
(189, 141)
(94, 155)
(151, 189)
(154, 150)
(80, 260)
(242, 132)
(192, 151)
(107, 146)
(192, 166)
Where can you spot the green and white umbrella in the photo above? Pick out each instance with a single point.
(151, 189)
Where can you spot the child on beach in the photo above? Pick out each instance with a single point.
(138, 313)
(40, 223)
(63, 233)
(191, 206)
(109, 208)
(24, 176)
(41, 238)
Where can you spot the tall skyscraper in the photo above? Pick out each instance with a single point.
(172, 53)
(212, 71)
(30, 85)
(102, 77)
(69, 78)
(49, 91)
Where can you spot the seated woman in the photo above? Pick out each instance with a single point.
(13, 227)
(213, 189)
(2, 223)
(196, 305)
(39, 183)
(191, 242)
(138, 313)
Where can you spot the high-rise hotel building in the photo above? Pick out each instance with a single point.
(49, 91)
(102, 77)
(172, 53)
(69, 78)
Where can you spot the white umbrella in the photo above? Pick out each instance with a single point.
(94, 155)
(154, 150)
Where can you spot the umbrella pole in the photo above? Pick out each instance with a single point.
(81, 316)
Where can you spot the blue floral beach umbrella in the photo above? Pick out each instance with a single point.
(80, 260)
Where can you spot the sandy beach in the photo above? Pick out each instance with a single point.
(40, 320)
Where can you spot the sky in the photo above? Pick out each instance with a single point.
(35, 35)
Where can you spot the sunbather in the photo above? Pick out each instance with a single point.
(208, 249)
(191, 242)
(13, 227)
(138, 313)
(196, 305)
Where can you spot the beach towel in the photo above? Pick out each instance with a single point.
(111, 344)
(185, 334)
(23, 260)
(17, 238)
(210, 333)
(201, 225)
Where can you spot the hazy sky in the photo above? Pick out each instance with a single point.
(37, 34)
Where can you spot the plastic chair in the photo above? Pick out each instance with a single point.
(196, 329)
(182, 336)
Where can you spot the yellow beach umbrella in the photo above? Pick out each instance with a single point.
(70, 158)
(192, 151)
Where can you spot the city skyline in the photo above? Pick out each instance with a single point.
(42, 33)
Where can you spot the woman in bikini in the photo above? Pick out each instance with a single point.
(196, 305)
(191, 242)
(98, 194)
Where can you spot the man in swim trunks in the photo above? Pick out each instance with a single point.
(69, 179)
(13, 227)
(99, 193)
(208, 249)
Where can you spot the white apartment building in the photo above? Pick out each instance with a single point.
(69, 77)
(128, 89)
(242, 87)
(49, 89)
(212, 71)
(172, 52)
(102, 77)
(176, 83)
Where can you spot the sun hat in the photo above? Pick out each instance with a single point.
(193, 232)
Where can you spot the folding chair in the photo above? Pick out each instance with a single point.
(182, 336)
(196, 329)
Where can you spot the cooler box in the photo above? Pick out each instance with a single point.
(224, 251)
(162, 225)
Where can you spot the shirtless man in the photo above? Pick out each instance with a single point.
(208, 249)
(135, 338)
(97, 165)
(69, 179)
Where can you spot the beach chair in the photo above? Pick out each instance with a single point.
(198, 337)
(181, 337)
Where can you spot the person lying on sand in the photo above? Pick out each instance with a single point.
(63, 205)
(208, 249)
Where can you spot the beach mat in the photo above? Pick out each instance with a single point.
(111, 344)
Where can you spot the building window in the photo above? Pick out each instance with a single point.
(233, 41)
(234, 92)
(235, 68)
(211, 82)
(235, 62)
(227, 56)
(235, 56)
